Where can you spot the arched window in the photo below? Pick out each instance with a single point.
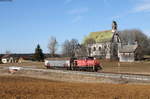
(94, 49)
(99, 48)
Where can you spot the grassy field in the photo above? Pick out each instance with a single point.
(29, 88)
(135, 67)
(13, 87)
(33, 64)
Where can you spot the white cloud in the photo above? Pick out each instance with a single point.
(142, 6)
(78, 11)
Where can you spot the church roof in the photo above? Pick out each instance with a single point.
(128, 48)
(101, 36)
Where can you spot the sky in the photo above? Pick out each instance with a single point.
(26, 23)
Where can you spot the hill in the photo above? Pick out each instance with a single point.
(101, 36)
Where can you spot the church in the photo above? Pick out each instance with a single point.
(114, 48)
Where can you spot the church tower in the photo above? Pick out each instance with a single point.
(115, 42)
(115, 38)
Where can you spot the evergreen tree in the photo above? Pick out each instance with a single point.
(38, 55)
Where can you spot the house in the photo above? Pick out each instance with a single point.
(1, 58)
(9, 58)
(15, 58)
(127, 53)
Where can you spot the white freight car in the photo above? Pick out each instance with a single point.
(57, 63)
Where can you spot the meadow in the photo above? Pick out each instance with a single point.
(138, 67)
(13, 87)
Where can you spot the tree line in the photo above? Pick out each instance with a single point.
(68, 49)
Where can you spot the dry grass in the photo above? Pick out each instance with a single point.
(34, 64)
(135, 67)
(29, 88)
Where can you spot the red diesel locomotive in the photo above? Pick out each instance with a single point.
(87, 64)
(84, 64)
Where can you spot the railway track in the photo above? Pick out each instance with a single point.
(127, 76)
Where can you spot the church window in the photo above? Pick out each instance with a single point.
(99, 48)
(94, 49)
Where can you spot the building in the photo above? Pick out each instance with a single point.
(15, 58)
(101, 50)
(113, 48)
(127, 53)
(8, 58)
(107, 49)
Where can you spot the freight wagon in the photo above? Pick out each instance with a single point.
(57, 63)
(86, 64)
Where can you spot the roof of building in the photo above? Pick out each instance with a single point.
(128, 49)
(7, 56)
(101, 36)
(16, 55)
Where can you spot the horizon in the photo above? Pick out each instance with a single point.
(24, 23)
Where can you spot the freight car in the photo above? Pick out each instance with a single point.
(58, 63)
(86, 64)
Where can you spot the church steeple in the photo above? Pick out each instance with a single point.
(115, 42)
(114, 26)
(115, 38)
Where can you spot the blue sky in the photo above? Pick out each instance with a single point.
(26, 23)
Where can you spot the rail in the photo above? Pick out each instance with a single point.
(127, 76)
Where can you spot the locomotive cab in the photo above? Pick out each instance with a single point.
(87, 64)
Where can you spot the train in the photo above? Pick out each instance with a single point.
(80, 64)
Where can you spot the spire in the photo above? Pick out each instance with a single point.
(114, 26)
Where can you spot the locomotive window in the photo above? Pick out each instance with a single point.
(90, 58)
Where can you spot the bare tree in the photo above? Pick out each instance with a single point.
(52, 46)
(73, 43)
(81, 50)
(68, 48)
(130, 36)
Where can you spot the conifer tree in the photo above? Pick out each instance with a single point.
(38, 55)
